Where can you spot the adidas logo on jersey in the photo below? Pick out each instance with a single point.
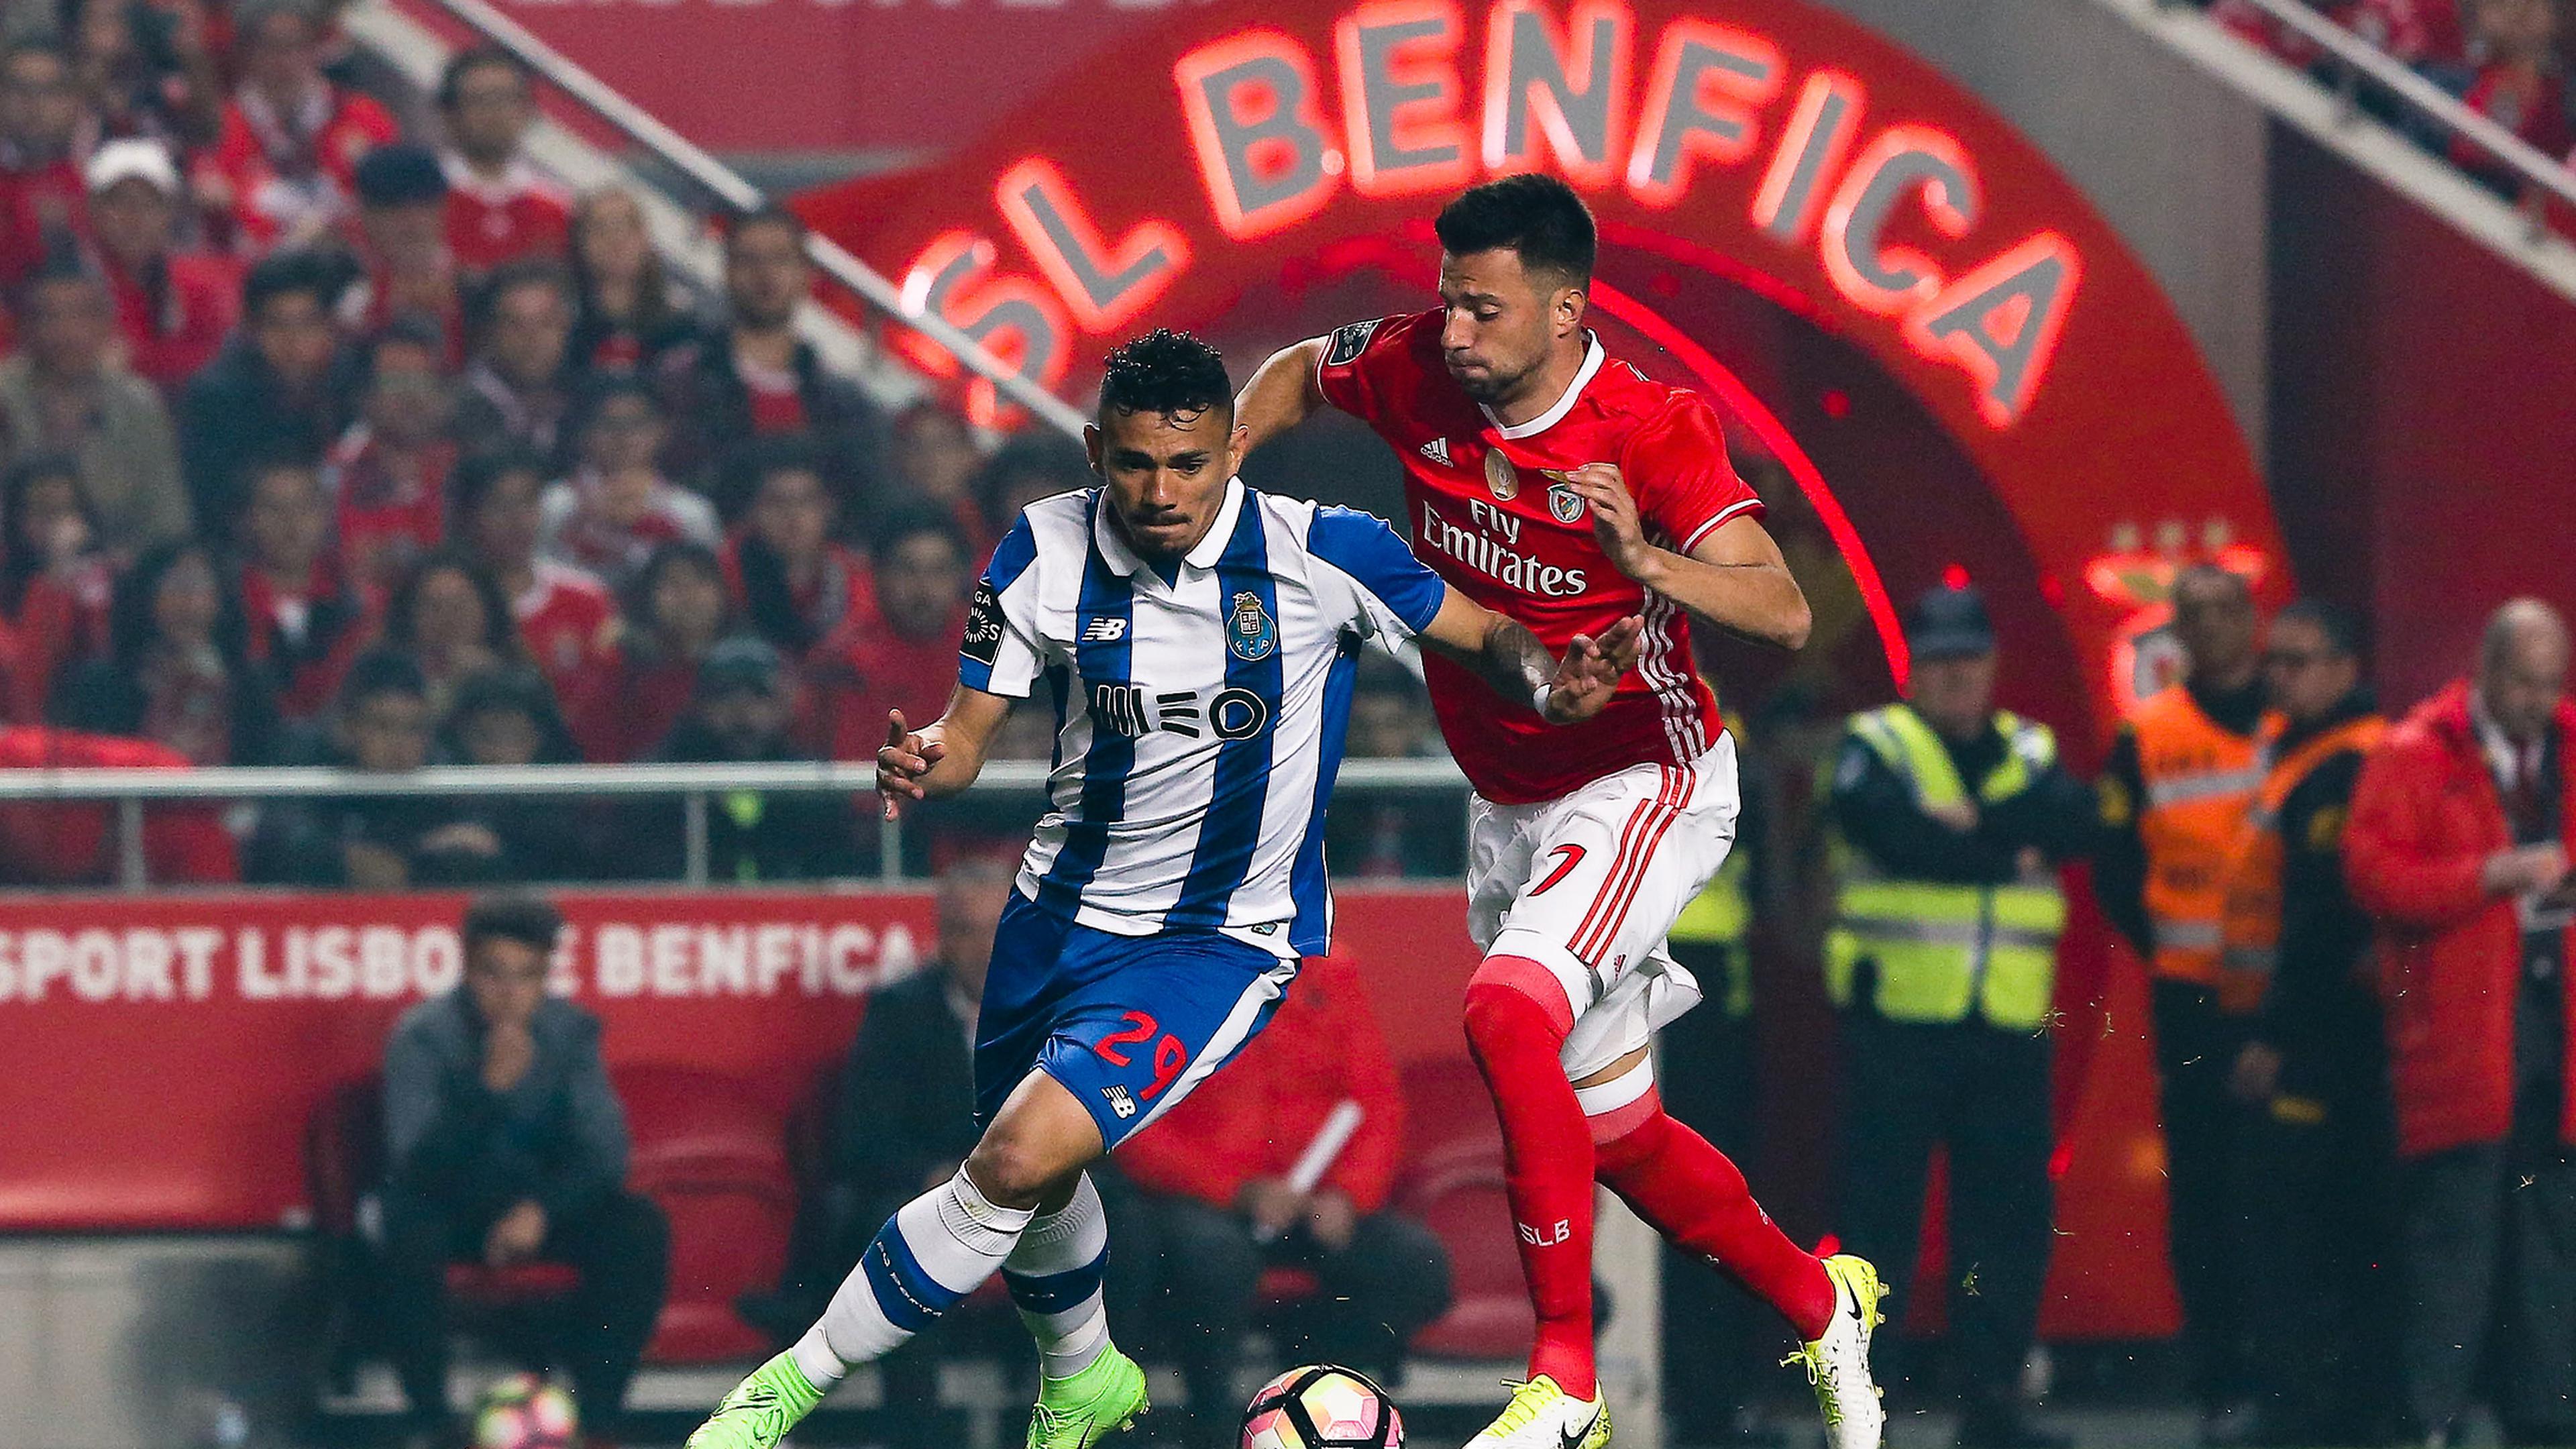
(1437, 450)
(1104, 631)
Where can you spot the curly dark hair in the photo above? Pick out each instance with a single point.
(1166, 372)
(1537, 216)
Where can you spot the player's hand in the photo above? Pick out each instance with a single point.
(515, 1236)
(904, 760)
(1272, 1205)
(1589, 673)
(1332, 1218)
(1615, 524)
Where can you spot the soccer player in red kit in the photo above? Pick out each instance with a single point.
(1566, 490)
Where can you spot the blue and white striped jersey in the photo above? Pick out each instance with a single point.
(1199, 707)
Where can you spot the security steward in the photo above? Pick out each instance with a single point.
(1950, 817)
(2181, 777)
(2320, 1150)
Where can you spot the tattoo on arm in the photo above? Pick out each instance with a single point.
(1513, 661)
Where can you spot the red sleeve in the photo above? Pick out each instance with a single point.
(1676, 468)
(1365, 1172)
(2397, 871)
(1368, 366)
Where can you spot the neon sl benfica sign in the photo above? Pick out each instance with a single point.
(1409, 102)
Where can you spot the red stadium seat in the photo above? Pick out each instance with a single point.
(1453, 1184)
(711, 1153)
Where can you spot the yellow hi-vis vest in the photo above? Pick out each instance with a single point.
(1722, 915)
(1942, 950)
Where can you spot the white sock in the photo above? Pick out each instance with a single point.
(1054, 1278)
(935, 1250)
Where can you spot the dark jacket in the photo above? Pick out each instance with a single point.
(235, 413)
(751, 837)
(710, 411)
(1879, 816)
(2319, 1011)
(558, 1137)
(2426, 815)
(907, 1097)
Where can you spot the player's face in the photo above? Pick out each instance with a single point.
(1165, 474)
(1501, 321)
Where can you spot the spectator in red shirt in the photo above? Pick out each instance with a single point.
(675, 613)
(63, 394)
(178, 668)
(402, 221)
(616, 508)
(172, 307)
(1213, 1205)
(284, 386)
(146, 70)
(388, 473)
(756, 376)
(906, 656)
(56, 584)
(789, 580)
(518, 388)
(449, 617)
(2419, 32)
(306, 622)
(566, 615)
(71, 845)
(498, 208)
(631, 311)
(43, 203)
(2518, 86)
(284, 166)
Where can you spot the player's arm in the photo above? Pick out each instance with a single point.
(1283, 392)
(1514, 664)
(1734, 578)
(943, 756)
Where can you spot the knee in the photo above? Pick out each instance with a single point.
(1513, 997)
(1011, 1170)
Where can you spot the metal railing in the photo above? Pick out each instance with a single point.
(2358, 60)
(873, 289)
(131, 790)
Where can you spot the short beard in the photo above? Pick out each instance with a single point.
(1493, 387)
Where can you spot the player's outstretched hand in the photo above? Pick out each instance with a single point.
(1589, 673)
(904, 760)
(1615, 524)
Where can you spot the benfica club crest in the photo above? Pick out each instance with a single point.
(1500, 477)
(1563, 503)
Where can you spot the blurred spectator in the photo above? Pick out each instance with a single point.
(284, 166)
(1388, 835)
(905, 1117)
(306, 620)
(2419, 32)
(2517, 84)
(675, 613)
(389, 472)
(507, 716)
(566, 615)
(755, 376)
(506, 1144)
(74, 845)
(631, 311)
(402, 225)
(906, 656)
(451, 619)
(56, 585)
(173, 308)
(2458, 849)
(789, 580)
(1040, 463)
(2316, 1071)
(42, 199)
(498, 208)
(61, 394)
(518, 388)
(281, 388)
(616, 508)
(178, 669)
(145, 71)
(381, 724)
(1213, 1206)
(935, 460)
(740, 715)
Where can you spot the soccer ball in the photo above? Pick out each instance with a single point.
(524, 1411)
(1322, 1407)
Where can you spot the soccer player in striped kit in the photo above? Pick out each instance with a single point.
(1198, 641)
(1565, 489)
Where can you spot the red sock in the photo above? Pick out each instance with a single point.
(1517, 1020)
(1689, 1192)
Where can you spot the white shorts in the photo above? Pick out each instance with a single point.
(1589, 884)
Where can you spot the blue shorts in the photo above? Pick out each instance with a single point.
(1128, 1024)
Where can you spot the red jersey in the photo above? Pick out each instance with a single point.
(490, 222)
(563, 619)
(174, 322)
(293, 176)
(1487, 517)
(389, 515)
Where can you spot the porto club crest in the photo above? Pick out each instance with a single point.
(1250, 633)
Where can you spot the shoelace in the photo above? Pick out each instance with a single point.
(1518, 1414)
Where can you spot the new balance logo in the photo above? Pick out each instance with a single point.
(1437, 450)
(1104, 631)
(1119, 1102)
